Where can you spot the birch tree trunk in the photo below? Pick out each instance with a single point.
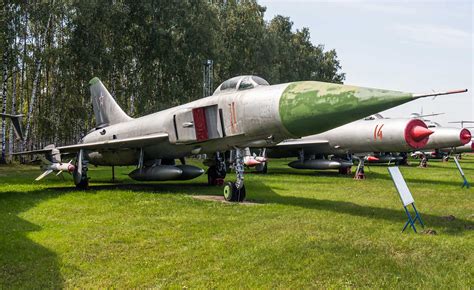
(13, 110)
(36, 81)
(32, 101)
(4, 105)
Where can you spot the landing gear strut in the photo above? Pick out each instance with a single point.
(404, 161)
(217, 172)
(262, 168)
(80, 173)
(359, 174)
(423, 161)
(235, 191)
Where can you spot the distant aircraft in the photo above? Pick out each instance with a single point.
(244, 111)
(462, 122)
(356, 140)
(442, 142)
(466, 148)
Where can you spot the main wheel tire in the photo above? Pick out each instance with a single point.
(84, 184)
(241, 193)
(231, 193)
(214, 175)
(211, 176)
(345, 170)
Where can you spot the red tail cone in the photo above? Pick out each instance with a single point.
(465, 136)
(419, 133)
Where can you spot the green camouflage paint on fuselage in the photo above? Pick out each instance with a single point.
(306, 104)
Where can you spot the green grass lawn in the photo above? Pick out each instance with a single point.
(311, 229)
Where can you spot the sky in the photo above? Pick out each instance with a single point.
(412, 46)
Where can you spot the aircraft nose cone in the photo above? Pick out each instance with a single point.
(419, 133)
(465, 136)
(71, 168)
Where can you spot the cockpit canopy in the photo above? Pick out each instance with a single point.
(240, 83)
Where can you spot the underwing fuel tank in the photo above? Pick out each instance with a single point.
(189, 172)
(319, 164)
(166, 172)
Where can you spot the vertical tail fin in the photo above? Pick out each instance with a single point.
(106, 110)
(16, 122)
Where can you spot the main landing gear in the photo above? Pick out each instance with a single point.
(217, 172)
(423, 161)
(80, 173)
(359, 174)
(345, 170)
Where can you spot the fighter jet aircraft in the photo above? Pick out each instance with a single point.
(466, 148)
(442, 142)
(354, 140)
(244, 111)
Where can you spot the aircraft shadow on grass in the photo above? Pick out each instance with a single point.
(397, 216)
(369, 173)
(23, 262)
(455, 183)
(268, 195)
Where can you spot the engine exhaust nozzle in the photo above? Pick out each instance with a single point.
(417, 133)
(465, 136)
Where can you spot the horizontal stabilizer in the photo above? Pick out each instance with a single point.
(16, 121)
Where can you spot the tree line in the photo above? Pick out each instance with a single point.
(148, 53)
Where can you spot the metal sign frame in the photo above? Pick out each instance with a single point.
(465, 183)
(405, 197)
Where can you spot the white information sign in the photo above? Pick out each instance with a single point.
(400, 184)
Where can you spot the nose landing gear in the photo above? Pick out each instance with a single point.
(235, 191)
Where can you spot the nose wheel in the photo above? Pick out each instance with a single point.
(235, 191)
(232, 193)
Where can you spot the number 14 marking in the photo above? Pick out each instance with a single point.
(378, 132)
